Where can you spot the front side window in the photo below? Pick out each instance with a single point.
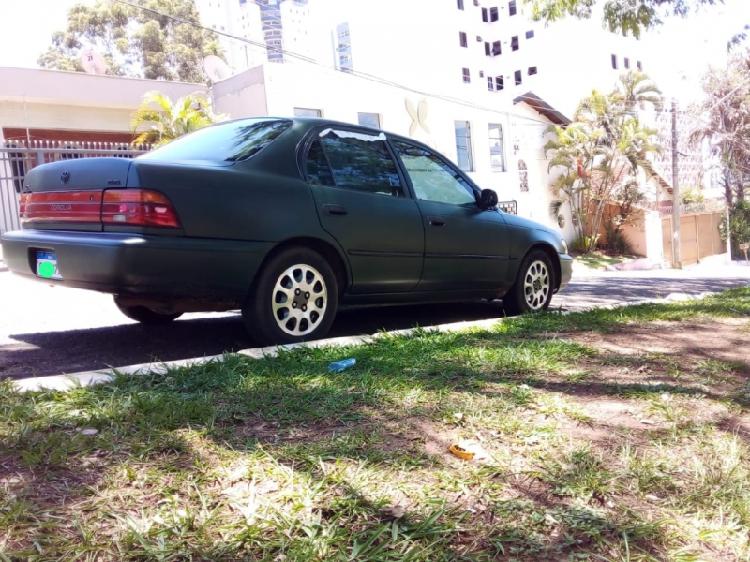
(464, 156)
(432, 178)
(497, 152)
(358, 161)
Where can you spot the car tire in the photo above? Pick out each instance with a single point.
(294, 298)
(534, 286)
(146, 315)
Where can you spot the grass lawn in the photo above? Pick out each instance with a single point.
(609, 435)
(600, 260)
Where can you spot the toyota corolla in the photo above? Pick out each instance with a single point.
(287, 219)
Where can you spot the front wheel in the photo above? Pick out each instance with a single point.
(294, 299)
(534, 285)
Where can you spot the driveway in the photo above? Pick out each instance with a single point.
(48, 330)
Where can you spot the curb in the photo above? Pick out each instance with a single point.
(90, 378)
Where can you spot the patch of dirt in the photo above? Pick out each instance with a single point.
(691, 342)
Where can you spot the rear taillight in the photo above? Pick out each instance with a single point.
(22, 203)
(137, 207)
(61, 206)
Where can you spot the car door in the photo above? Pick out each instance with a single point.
(363, 202)
(465, 247)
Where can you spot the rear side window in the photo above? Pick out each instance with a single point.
(227, 143)
(353, 160)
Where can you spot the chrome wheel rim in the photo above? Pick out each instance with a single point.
(536, 285)
(299, 300)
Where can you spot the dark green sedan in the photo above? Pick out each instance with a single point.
(287, 219)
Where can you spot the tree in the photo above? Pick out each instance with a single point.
(623, 16)
(160, 121)
(135, 41)
(724, 116)
(601, 154)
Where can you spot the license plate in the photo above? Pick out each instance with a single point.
(46, 265)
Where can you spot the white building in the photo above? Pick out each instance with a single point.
(478, 50)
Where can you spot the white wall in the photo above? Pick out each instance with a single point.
(51, 99)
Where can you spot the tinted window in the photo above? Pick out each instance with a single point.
(432, 178)
(318, 170)
(361, 161)
(230, 142)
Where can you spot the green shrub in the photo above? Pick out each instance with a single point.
(739, 227)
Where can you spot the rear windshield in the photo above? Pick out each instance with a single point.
(227, 143)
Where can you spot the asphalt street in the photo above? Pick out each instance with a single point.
(47, 330)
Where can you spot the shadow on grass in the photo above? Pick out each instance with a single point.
(288, 414)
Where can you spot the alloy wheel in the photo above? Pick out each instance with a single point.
(536, 285)
(299, 299)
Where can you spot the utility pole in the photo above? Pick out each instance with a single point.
(676, 198)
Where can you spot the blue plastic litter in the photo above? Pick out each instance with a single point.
(338, 366)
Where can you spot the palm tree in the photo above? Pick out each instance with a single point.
(601, 153)
(159, 120)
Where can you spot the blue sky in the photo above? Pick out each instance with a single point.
(681, 49)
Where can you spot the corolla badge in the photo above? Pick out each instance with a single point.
(65, 177)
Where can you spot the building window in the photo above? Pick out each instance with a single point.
(518, 77)
(494, 14)
(514, 43)
(487, 49)
(532, 71)
(499, 83)
(638, 65)
(344, 48)
(464, 159)
(371, 120)
(530, 34)
(466, 74)
(462, 40)
(497, 48)
(512, 8)
(307, 112)
(490, 83)
(626, 62)
(614, 62)
(523, 176)
(497, 151)
(481, 73)
(485, 15)
(460, 4)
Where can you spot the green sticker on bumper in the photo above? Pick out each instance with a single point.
(45, 269)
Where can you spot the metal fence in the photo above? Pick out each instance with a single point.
(18, 157)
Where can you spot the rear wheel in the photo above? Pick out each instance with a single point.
(534, 285)
(145, 315)
(294, 299)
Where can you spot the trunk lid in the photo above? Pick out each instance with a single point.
(67, 195)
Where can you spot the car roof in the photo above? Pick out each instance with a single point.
(309, 122)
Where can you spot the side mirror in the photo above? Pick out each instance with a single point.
(487, 199)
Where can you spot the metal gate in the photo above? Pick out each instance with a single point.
(18, 157)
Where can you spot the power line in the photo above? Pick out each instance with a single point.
(363, 75)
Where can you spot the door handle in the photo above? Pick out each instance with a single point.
(335, 209)
(436, 221)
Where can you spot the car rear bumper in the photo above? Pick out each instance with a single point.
(139, 264)
(566, 269)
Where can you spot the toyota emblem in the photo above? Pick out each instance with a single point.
(65, 177)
